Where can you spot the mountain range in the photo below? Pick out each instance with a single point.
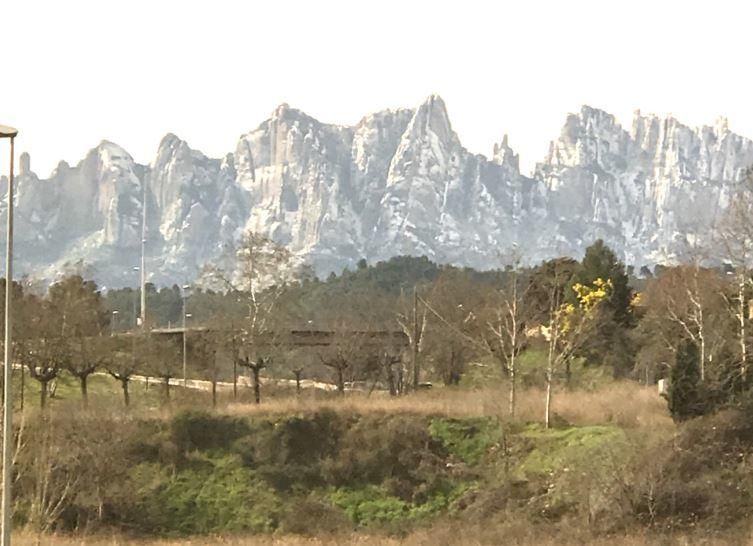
(398, 182)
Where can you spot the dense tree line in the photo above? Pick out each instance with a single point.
(685, 324)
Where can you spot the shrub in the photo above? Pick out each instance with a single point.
(289, 452)
(313, 516)
(467, 439)
(219, 495)
(703, 476)
(199, 430)
(685, 397)
(377, 448)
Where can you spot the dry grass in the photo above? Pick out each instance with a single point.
(444, 537)
(625, 403)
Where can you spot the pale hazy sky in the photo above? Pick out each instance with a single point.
(75, 72)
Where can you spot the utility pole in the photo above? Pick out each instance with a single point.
(7, 504)
(143, 258)
(185, 347)
(416, 339)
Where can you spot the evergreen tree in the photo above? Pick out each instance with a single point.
(610, 343)
(685, 397)
(600, 262)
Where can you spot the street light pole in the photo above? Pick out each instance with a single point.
(112, 321)
(7, 506)
(143, 258)
(136, 317)
(185, 359)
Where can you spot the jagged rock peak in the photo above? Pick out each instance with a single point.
(61, 168)
(24, 166)
(503, 154)
(284, 113)
(110, 150)
(587, 138)
(590, 121)
(722, 126)
(432, 117)
(397, 182)
(228, 162)
(168, 141)
(281, 110)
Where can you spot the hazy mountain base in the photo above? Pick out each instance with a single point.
(334, 468)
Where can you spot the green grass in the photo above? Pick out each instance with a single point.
(372, 505)
(101, 389)
(555, 450)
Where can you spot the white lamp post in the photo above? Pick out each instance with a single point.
(7, 505)
(185, 288)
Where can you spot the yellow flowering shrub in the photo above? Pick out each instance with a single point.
(589, 296)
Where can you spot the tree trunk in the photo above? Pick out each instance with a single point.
(548, 410)
(235, 379)
(126, 395)
(340, 380)
(43, 394)
(83, 380)
(391, 379)
(214, 393)
(512, 385)
(703, 355)
(550, 373)
(100, 504)
(23, 386)
(743, 346)
(297, 382)
(167, 390)
(257, 386)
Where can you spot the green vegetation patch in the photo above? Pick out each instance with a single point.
(213, 495)
(553, 450)
(468, 439)
(374, 505)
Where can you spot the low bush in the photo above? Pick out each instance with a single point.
(200, 430)
(212, 496)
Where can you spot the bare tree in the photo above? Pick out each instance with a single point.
(688, 302)
(121, 365)
(346, 347)
(413, 320)
(256, 272)
(45, 467)
(44, 357)
(202, 350)
(255, 366)
(78, 307)
(454, 301)
(162, 358)
(735, 232)
(298, 373)
(503, 327)
(87, 355)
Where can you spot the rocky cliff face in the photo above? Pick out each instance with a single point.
(398, 182)
(444, 202)
(653, 192)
